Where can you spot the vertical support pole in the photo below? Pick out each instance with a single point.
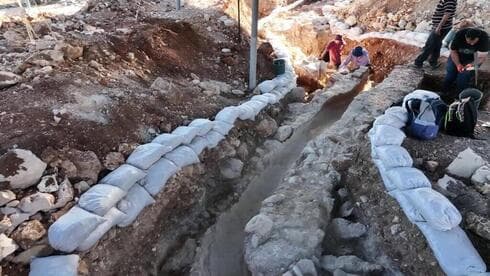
(239, 24)
(252, 75)
(177, 2)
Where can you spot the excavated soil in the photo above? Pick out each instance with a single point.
(164, 48)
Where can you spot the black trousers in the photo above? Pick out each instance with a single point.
(432, 48)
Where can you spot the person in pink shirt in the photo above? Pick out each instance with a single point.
(358, 57)
(333, 51)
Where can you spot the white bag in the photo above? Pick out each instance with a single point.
(453, 250)
(246, 112)
(214, 138)
(113, 217)
(100, 198)
(260, 98)
(187, 133)
(389, 120)
(146, 155)
(271, 98)
(182, 156)
(394, 156)
(408, 208)
(267, 86)
(204, 126)
(170, 140)
(158, 175)
(228, 115)
(406, 178)
(66, 265)
(123, 177)
(399, 112)
(71, 229)
(136, 200)
(420, 94)
(222, 127)
(436, 209)
(386, 135)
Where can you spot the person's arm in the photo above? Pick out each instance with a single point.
(455, 58)
(449, 10)
(367, 58)
(443, 21)
(346, 61)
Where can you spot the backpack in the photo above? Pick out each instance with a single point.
(461, 118)
(424, 117)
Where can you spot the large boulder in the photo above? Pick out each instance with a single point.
(20, 168)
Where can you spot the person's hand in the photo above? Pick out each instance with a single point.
(438, 31)
(460, 68)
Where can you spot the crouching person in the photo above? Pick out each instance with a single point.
(467, 44)
(357, 57)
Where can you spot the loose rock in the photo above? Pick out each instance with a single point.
(7, 246)
(267, 127)
(113, 160)
(28, 232)
(6, 197)
(231, 168)
(48, 184)
(465, 164)
(350, 264)
(20, 168)
(346, 229)
(37, 202)
(283, 133)
(8, 79)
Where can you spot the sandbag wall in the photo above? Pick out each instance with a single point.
(434, 214)
(119, 197)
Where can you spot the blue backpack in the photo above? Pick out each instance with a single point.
(424, 117)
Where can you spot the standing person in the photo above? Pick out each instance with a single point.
(358, 57)
(442, 22)
(333, 49)
(459, 66)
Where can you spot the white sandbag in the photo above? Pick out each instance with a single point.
(169, 140)
(204, 126)
(123, 177)
(198, 144)
(228, 115)
(182, 156)
(399, 112)
(66, 265)
(158, 175)
(214, 138)
(406, 178)
(271, 98)
(71, 229)
(100, 198)
(222, 127)
(256, 107)
(146, 155)
(246, 112)
(187, 133)
(283, 90)
(260, 105)
(278, 94)
(436, 209)
(411, 212)
(267, 86)
(113, 217)
(386, 135)
(260, 98)
(420, 94)
(389, 120)
(136, 200)
(453, 250)
(393, 156)
(382, 172)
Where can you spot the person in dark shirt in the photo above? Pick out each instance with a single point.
(466, 44)
(442, 22)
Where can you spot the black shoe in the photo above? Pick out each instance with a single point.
(418, 65)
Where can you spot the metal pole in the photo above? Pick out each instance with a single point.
(239, 24)
(252, 74)
(178, 4)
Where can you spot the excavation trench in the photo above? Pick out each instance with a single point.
(222, 245)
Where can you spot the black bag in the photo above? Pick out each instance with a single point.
(461, 118)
